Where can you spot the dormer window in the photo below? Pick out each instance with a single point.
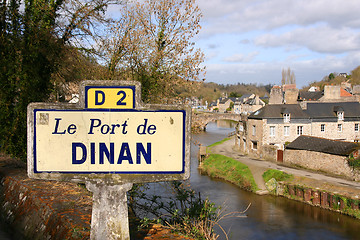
(339, 111)
(340, 115)
(286, 117)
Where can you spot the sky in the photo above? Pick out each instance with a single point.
(251, 41)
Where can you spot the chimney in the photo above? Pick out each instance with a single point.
(303, 105)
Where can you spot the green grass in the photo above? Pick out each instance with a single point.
(226, 168)
(278, 175)
(219, 142)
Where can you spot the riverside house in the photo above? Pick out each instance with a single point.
(270, 128)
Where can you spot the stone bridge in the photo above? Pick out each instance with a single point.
(200, 120)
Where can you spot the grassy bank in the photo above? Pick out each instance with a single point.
(218, 143)
(278, 175)
(219, 166)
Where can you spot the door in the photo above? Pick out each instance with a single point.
(280, 155)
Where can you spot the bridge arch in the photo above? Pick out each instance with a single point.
(200, 120)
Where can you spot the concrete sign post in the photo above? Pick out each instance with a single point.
(109, 140)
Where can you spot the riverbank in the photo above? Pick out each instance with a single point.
(220, 166)
(311, 188)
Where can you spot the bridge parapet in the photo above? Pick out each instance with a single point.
(200, 120)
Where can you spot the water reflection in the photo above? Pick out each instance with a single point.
(225, 124)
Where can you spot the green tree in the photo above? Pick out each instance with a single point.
(32, 47)
(234, 95)
(355, 75)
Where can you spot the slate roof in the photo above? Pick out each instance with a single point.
(328, 110)
(250, 101)
(313, 96)
(235, 99)
(213, 104)
(323, 145)
(245, 96)
(277, 110)
(224, 100)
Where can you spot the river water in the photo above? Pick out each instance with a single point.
(268, 217)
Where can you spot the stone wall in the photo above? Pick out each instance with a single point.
(279, 138)
(276, 95)
(254, 141)
(200, 120)
(38, 209)
(332, 164)
(347, 132)
(291, 96)
(269, 152)
(319, 198)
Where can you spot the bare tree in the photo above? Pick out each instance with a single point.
(152, 43)
(288, 77)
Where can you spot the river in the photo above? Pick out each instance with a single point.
(268, 217)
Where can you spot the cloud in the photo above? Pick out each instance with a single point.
(245, 41)
(241, 57)
(239, 16)
(312, 37)
(322, 39)
(211, 55)
(306, 71)
(213, 46)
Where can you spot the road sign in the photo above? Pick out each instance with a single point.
(99, 139)
(133, 142)
(109, 140)
(110, 97)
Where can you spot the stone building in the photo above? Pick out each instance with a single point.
(248, 104)
(287, 94)
(276, 95)
(271, 127)
(224, 104)
(330, 156)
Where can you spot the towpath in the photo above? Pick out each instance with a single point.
(313, 179)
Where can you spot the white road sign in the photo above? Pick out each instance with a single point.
(116, 141)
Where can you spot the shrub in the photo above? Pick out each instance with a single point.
(278, 175)
(354, 162)
(184, 211)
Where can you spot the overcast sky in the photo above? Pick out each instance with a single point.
(251, 41)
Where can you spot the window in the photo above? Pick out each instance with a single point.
(286, 117)
(339, 127)
(286, 130)
(253, 130)
(254, 145)
(272, 131)
(299, 130)
(322, 128)
(340, 116)
(356, 127)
